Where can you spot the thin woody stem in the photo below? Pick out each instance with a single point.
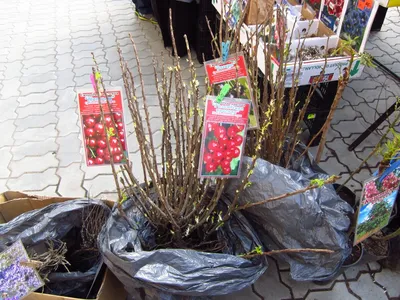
(330, 180)
(283, 251)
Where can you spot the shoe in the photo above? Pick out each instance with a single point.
(148, 17)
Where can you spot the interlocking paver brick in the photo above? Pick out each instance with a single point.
(3, 186)
(390, 280)
(33, 181)
(39, 61)
(5, 158)
(17, 54)
(34, 149)
(41, 78)
(100, 184)
(36, 109)
(7, 109)
(35, 134)
(245, 294)
(36, 98)
(67, 123)
(38, 87)
(64, 61)
(39, 69)
(69, 150)
(36, 121)
(66, 99)
(31, 164)
(65, 78)
(352, 273)
(84, 33)
(10, 88)
(269, 286)
(366, 289)
(63, 47)
(70, 181)
(7, 131)
(339, 291)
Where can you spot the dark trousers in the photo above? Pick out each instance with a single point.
(184, 21)
(143, 6)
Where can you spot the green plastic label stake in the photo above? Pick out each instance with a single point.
(225, 89)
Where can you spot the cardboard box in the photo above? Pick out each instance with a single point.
(14, 203)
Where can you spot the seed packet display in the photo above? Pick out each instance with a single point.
(233, 71)
(17, 278)
(95, 134)
(223, 137)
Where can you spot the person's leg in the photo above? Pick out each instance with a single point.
(144, 10)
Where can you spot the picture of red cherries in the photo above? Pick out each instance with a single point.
(223, 144)
(95, 137)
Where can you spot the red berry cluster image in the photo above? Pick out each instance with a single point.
(95, 138)
(223, 144)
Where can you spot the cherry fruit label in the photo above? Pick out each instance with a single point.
(234, 72)
(224, 136)
(96, 132)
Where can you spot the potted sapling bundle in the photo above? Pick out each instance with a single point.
(174, 231)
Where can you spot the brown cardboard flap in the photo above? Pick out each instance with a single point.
(111, 289)
(13, 203)
(259, 12)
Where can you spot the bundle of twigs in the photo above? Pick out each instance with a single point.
(181, 207)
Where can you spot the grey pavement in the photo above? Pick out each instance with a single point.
(45, 58)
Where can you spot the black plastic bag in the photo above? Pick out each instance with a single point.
(180, 272)
(54, 222)
(314, 219)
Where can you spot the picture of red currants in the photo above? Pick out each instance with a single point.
(213, 146)
(208, 157)
(89, 132)
(100, 152)
(99, 160)
(117, 117)
(101, 143)
(211, 167)
(89, 122)
(91, 142)
(99, 128)
(238, 139)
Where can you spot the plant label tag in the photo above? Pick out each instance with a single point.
(96, 133)
(224, 134)
(17, 277)
(376, 203)
(234, 72)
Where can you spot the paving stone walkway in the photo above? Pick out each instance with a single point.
(45, 57)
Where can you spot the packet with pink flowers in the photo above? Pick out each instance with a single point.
(331, 14)
(376, 204)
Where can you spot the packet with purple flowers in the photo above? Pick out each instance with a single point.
(17, 279)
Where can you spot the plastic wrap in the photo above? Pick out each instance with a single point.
(54, 222)
(179, 272)
(314, 219)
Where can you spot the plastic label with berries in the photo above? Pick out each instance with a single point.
(96, 133)
(224, 135)
(232, 71)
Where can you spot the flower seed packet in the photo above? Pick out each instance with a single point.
(233, 72)
(17, 279)
(377, 200)
(357, 22)
(224, 135)
(94, 133)
(332, 13)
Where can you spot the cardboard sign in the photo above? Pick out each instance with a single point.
(224, 134)
(94, 133)
(17, 278)
(233, 72)
(377, 200)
